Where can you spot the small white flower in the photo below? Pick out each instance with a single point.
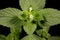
(30, 9)
(31, 17)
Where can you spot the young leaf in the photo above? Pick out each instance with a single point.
(31, 37)
(37, 15)
(14, 35)
(45, 26)
(52, 16)
(35, 4)
(43, 39)
(10, 16)
(10, 37)
(15, 32)
(42, 33)
(54, 38)
(39, 32)
(29, 27)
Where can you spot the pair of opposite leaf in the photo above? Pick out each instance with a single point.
(32, 10)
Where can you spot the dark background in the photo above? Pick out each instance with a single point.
(54, 30)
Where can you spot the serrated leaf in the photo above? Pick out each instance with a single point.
(54, 38)
(52, 16)
(31, 37)
(2, 37)
(35, 4)
(10, 16)
(29, 27)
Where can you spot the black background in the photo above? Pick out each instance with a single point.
(54, 30)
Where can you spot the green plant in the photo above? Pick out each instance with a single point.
(33, 13)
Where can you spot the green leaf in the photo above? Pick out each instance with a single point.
(2, 37)
(10, 16)
(54, 38)
(29, 27)
(35, 4)
(52, 16)
(31, 37)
